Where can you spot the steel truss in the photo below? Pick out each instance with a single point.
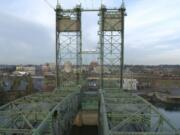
(52, 113)
(111, 44)
(41, 113)
(123, 113)
(68, 46)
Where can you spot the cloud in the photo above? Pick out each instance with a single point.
(172, 56)
(24, 42)
(28, 27)
(151, 30)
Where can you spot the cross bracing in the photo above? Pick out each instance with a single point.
(124, 113)
(68, 46)
(53, 113)
(120, 113)
(111, 35)
(40, 113)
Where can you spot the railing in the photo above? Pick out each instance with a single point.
(104, 127)
(40, 113)
(124, 113)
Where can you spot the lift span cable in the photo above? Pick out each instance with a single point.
(49, 4)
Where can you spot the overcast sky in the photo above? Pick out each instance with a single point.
(152, 30)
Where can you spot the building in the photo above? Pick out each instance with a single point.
(130, 84)
(48, 68)
(26, 70)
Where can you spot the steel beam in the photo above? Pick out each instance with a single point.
(130, 114)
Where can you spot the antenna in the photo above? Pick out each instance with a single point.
(57, 2)
(123, 5)
(58, 5)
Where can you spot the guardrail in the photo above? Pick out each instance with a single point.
(124, 113)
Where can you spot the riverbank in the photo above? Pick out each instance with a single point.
(170, 110)
(162, 95)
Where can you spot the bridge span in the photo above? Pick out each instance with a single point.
(114, 110)
(118, 113)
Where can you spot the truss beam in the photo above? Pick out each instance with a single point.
(39, 113)
(131, 115)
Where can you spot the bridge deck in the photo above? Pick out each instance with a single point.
(124, 113)
(39, 113)
(120, 113)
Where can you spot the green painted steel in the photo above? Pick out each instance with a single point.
(89, 102)
(125, 113)
(68, 47)
(120, 113)
(111, 37)
(53, 113)
(41, 113)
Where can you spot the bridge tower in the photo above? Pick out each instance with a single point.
(68, 46)
(111, 46)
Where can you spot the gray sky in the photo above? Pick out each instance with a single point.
(27, 30)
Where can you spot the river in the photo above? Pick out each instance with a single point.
(172, 113)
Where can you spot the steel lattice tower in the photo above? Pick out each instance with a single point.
(68, 46)
(111, 45)
(53, 113)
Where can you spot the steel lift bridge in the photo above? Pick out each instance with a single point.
(119, 112)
